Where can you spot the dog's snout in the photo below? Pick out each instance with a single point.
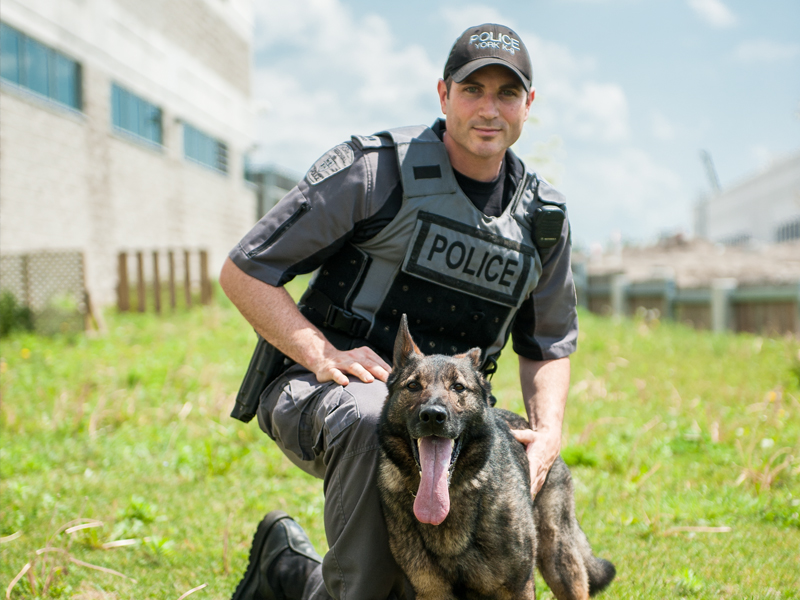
(433, 414)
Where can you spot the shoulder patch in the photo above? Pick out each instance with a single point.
(333, 161)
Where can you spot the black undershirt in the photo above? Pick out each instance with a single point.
(489, 197)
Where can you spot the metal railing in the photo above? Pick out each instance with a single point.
(722, 304)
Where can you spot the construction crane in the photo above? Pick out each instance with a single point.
(711, 172)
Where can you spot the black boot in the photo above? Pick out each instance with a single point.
(281, 560)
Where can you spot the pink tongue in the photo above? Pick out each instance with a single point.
(433, 500)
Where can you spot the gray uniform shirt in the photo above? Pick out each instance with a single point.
(349, 195)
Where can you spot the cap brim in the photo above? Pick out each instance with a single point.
(466, 70)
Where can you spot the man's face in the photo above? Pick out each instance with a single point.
(485, 112)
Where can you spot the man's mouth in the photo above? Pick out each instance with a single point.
(436, 458)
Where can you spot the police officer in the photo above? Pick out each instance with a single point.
(444, 224)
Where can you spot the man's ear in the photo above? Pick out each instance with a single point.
(441, 89)
(404, 347)
(528, 101)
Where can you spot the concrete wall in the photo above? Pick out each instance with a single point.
(68, 180)
(756, 207)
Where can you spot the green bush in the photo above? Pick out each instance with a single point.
(13, 317)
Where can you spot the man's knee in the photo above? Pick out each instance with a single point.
(368, 399)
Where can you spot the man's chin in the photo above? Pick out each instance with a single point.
(487, 149)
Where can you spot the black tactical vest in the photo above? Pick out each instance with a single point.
(458, 274)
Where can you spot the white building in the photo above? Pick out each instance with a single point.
(123, 126)
(763, 208)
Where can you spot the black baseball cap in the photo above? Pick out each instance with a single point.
(489, 44)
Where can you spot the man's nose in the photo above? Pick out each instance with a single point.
(488, 108)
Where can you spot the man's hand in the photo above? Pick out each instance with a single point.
(542, 451)
(273, 314)
(361, 362)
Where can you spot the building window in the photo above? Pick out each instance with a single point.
(739, 239)
(39, 68)
(788, 231)
(134, 115)
(202, 148)
(249, 169)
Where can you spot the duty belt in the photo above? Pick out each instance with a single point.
(334, 316)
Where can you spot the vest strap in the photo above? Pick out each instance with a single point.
(334, 316)
(423, 162)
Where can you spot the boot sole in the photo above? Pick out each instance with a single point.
(248, 586)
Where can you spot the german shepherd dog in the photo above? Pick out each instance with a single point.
(455, 488)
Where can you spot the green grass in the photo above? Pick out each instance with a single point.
(666, 429)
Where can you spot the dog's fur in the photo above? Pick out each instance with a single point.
(486, 545)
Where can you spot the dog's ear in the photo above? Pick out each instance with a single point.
(404, 347)
(473, 355)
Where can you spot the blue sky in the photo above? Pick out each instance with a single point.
(627, 92)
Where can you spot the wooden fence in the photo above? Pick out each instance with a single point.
(180, 281)
(723, 304)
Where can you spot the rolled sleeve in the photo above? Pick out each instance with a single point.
(311, 223)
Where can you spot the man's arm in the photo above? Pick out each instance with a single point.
(274, 315)
(545, 385)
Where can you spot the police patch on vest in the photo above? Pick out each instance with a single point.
(331, 162)
(471, 260)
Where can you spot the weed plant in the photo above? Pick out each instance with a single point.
(120, 465)
(13, 316)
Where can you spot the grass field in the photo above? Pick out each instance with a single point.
(685, 448)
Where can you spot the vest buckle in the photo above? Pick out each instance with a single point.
(346, 322)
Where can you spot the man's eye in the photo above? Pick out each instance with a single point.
(458, 387)
(413, 386)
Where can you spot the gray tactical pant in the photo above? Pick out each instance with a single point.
(330, 432)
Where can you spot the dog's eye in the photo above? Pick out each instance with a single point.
(413, 386)
(458, 387)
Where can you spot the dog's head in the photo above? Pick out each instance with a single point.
(435, 403)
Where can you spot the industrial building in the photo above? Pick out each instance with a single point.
(741, 272)
(124, 126)
(763, 208)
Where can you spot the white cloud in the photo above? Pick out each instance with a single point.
(568, 101)
(327, 73)
(662, 128)
(585, 109)
(458, 19)
(761, 51)
(633, 176)
(713, 12)
(590, 111)
(599, 112)
(547, 159)
(624, 190)
(762, 156)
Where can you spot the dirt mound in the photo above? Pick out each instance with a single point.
(695, 263)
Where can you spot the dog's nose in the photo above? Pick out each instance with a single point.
(433, 414)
